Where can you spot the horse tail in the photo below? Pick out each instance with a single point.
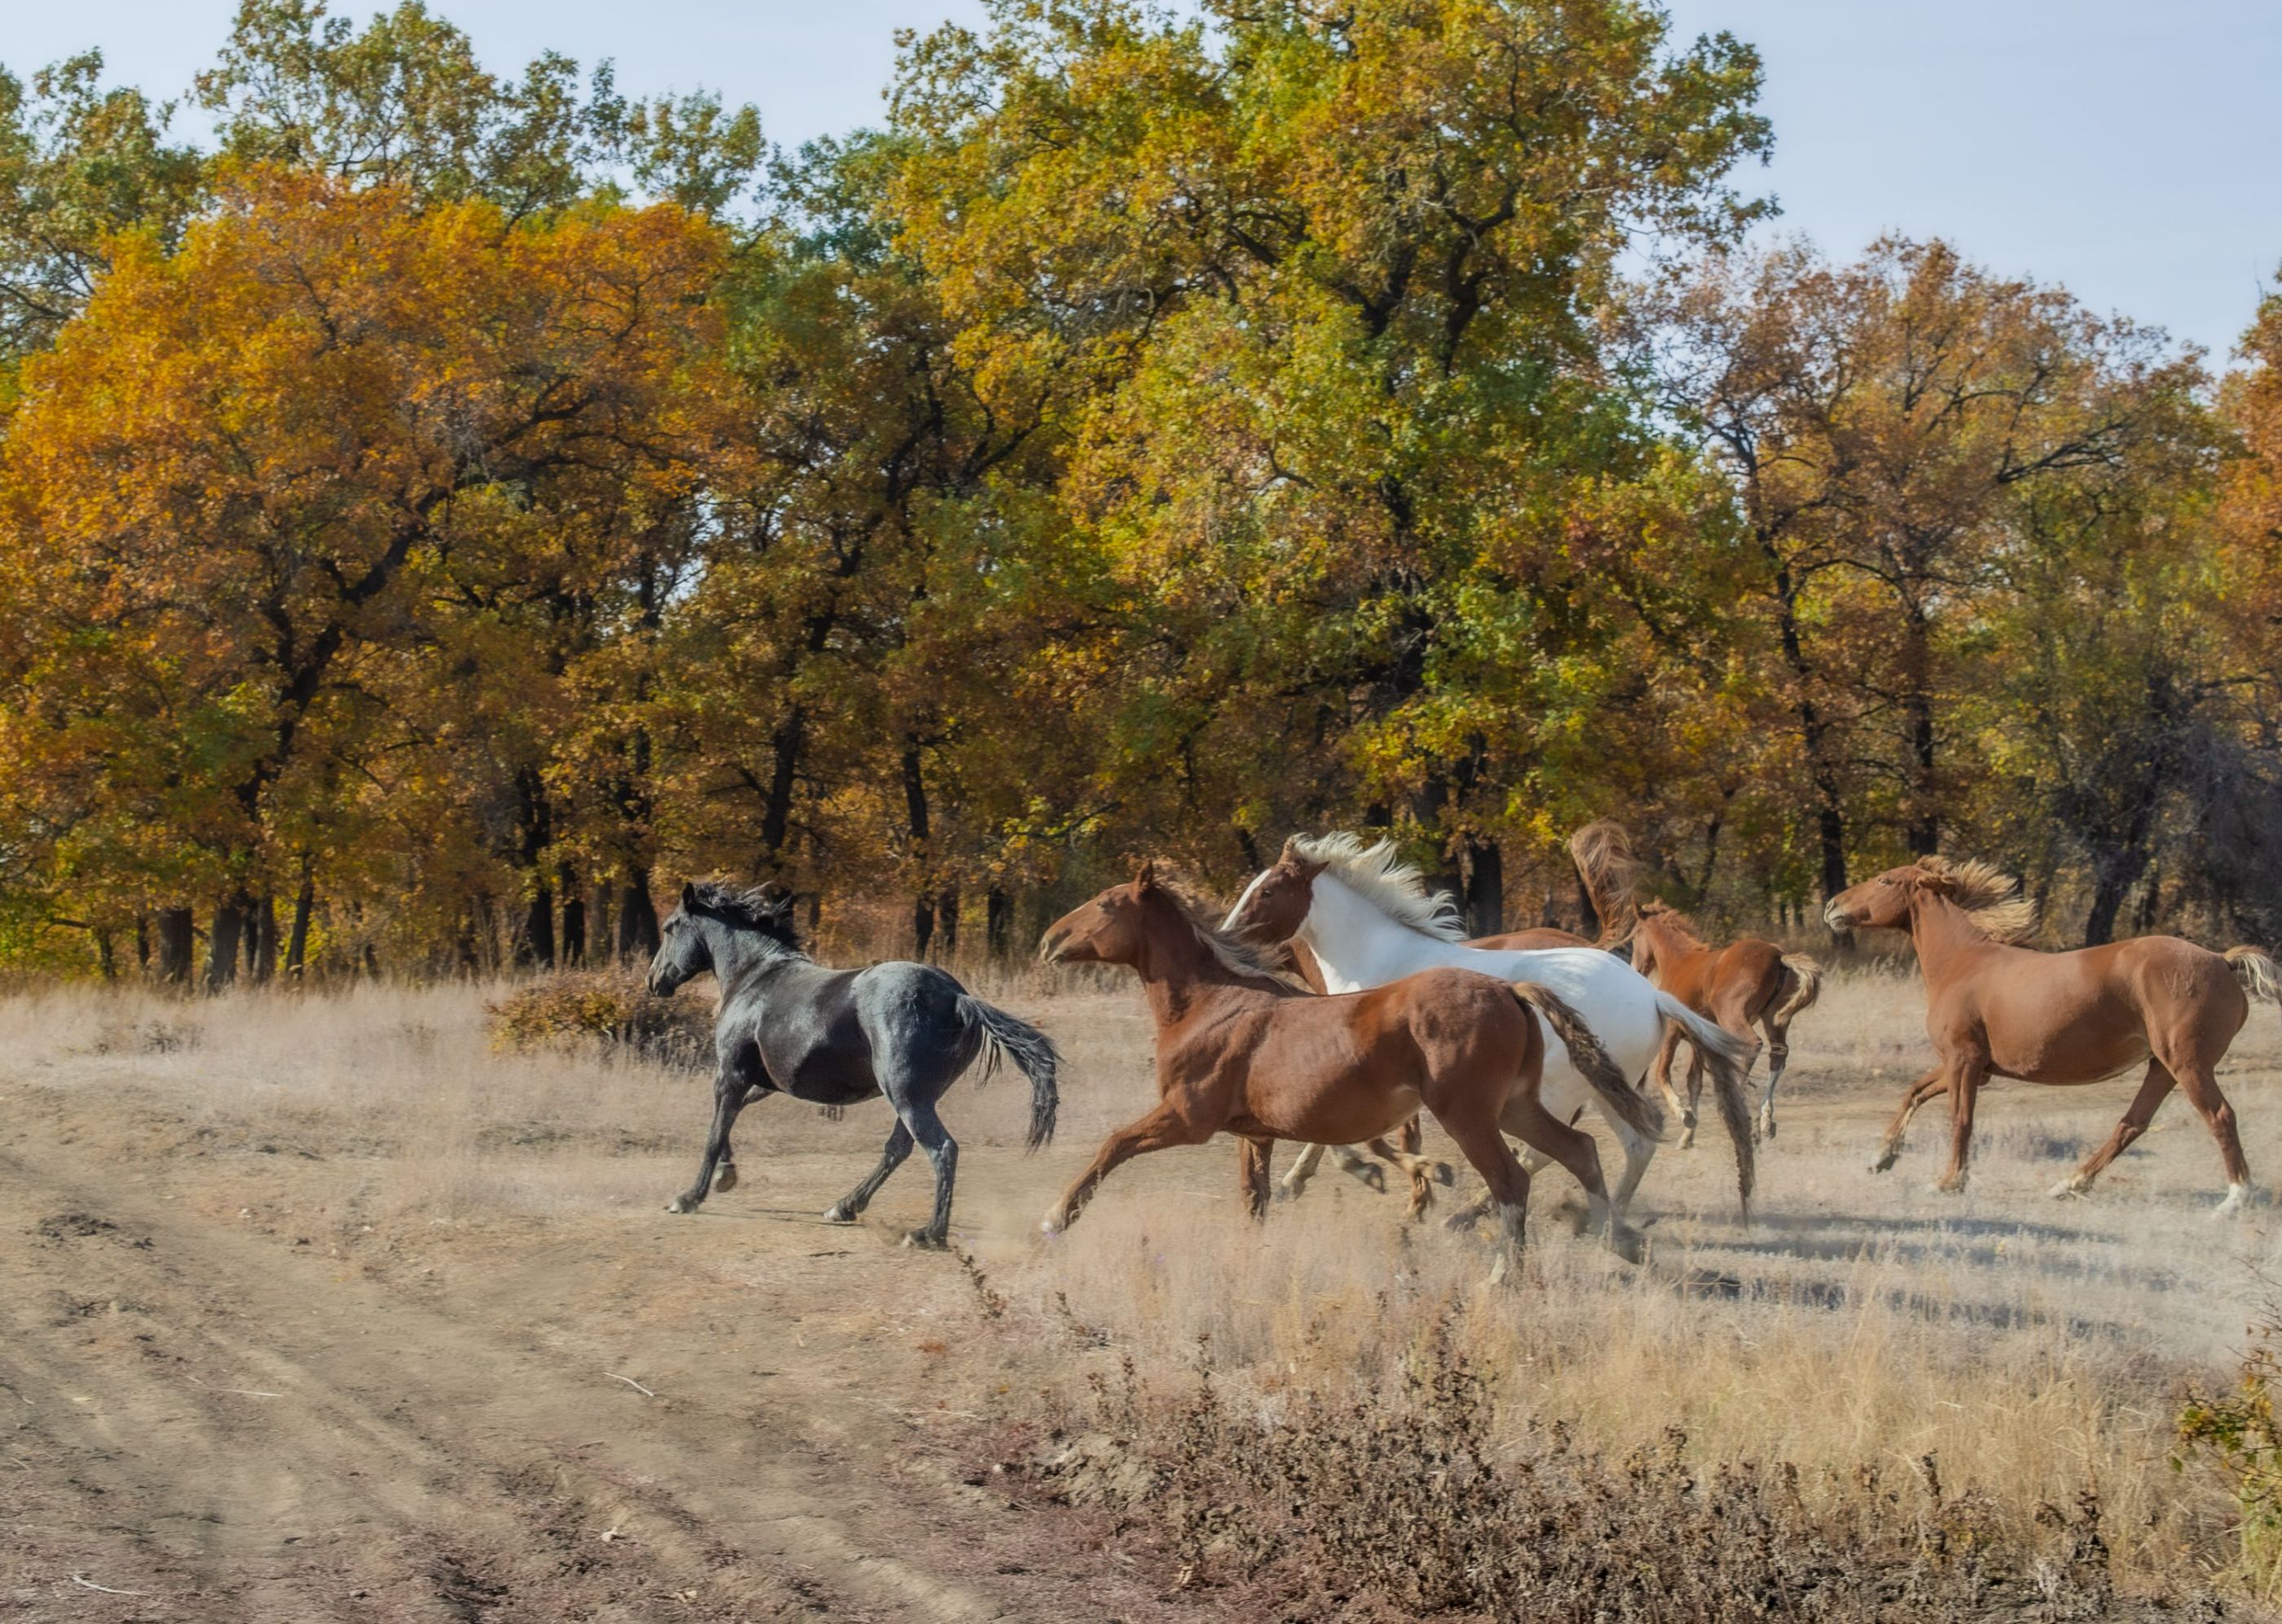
(1602, 853)
(1728, 1058)
(1033, 1053)
(1626, 1102)
(1805, 987)
(2255, 970)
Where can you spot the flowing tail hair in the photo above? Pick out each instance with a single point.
(1806, 987)
(2255, 970)
(1606, 868)
(1033, 1053)
(1626, 1102)
(1728, 1058)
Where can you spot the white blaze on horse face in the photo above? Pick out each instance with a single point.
(1229, 924)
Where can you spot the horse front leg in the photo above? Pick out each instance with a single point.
(1661, 1072)
(1252, 1165)
(1160, 1129)
(1966, 1076)
(726, 1179)
(1916, 1094)
(1294, 1183)
(729, 1095)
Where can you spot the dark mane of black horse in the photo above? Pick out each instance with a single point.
(754, 908)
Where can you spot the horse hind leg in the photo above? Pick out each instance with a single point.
(1527, 1119)
(1778, 1058)
(1294, 1182)
(1661, 1072)
(926, 1128)
(1251, 1162)
(849, 1207)
(1485, 1148)
(2153, 1089)
(2200, 1086)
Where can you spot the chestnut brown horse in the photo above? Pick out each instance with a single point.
(1997, 1009)
(1241, 1049)
(1749, 980)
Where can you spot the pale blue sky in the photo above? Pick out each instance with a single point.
(2132, 152)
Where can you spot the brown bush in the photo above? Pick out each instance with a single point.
(1401, 1502)
(609, 1009)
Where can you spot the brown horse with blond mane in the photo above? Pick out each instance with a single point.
(1995, 1009)
(1242, 1049)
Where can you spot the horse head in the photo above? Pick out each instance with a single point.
(1275, 905)
(687, 945)
(1108, 929)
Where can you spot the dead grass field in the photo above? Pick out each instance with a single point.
(318, 1307)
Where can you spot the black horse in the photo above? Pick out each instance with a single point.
(834, 1037)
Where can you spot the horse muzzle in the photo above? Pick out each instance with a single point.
(1049, 948)
(1837, 919)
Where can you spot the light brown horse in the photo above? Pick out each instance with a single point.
(1749, 980)
(1997, 1009)
(1243, 1050)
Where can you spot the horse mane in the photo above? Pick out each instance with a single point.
(1607, 867)
(750, 908)
(1665, 916)
(1378, 874)
(1235, 955)
(1990, 897)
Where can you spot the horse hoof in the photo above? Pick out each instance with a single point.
(1627, 1244)
(1688, 1137)
(2069, 1189)
(2237, 1197)
(1374, 1176)
(1289, 1192)
(681, 1203)
(1885, 1163)
(838, 1213)
(726, 1179)
(926, 1240)
(1053, 1224)
(1458, 1223)
(1947, 1186)
(1443, 1175)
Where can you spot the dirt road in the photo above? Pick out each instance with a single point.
(215, 1414)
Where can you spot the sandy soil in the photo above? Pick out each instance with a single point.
(276, 1345)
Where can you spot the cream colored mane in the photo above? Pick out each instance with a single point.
(1990, 897)
(1378, 874)
(1241, 957)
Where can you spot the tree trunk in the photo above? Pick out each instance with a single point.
(105, 958)
(998, 923)
(1483, 864)
(574, 922)
(265, 941)
(1924, 831)
(946, 919)
(142, 944)
(177, 944)
(922, 926)
(296, 944)
(637, 915)
(535, 941)
(915, 814)
(222, 941)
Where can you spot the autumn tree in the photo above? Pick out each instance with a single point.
(1334, 276)
(1896, 430)
(298, 416)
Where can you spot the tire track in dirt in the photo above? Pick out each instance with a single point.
(244, 1432)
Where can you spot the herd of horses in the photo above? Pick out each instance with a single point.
(1338, 999)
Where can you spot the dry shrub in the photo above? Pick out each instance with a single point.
(1409, 1499)
(608, 1010)
(2241, 1431)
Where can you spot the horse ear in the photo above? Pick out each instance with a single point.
(688, 895)
(1291, 850)
(1145, 879)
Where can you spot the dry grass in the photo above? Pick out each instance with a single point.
(2033, 1349)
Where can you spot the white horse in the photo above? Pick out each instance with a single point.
(1368, 919)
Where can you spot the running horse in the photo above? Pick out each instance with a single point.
(1749, 980)
(1995, 1009)
(1368, 919)
(1244, 1051)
